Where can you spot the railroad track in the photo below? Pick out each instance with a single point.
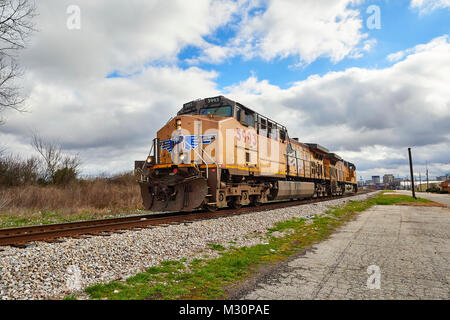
(21, 236)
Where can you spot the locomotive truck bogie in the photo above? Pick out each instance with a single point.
(218, 153)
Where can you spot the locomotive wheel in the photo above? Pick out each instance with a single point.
(234, 204)
(211, 207)
(256, 201)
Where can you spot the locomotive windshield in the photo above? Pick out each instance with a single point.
(217, 111)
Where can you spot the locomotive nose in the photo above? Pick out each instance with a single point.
(185, 196)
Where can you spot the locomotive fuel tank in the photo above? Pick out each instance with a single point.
(292, 190)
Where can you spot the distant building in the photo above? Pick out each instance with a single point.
(405, 184)
(442, 178)
(397, 182)
(376, 179)
(388, 179)
(446, 186)
(430, 185)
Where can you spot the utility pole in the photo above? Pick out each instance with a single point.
(420, 178)
(427, 174)
(412, 174)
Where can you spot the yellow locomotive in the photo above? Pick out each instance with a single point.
(216, 152)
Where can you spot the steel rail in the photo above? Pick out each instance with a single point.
(52, 232)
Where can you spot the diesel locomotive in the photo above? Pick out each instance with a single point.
(217, 152)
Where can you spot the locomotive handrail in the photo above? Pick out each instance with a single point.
(206, 163)
(203, 160)
(215, 162)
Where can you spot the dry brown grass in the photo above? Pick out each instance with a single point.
(421, 204)
(91, 198)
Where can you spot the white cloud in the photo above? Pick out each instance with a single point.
(435, 43)
(369, 115)
(306, 29)
(368, 45)
(110, 122)
(118, 35)
(427, 6)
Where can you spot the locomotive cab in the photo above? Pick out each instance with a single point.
(220, 106)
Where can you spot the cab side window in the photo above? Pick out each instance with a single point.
(282, 135)
(262, 126)
(249, 119)
(238, 114)
(272, 130)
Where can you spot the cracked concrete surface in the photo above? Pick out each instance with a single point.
(410, 245)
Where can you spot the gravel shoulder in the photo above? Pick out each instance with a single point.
(54, 270)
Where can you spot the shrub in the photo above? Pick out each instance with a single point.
(433, 189)
(15, 171)
(64, 176)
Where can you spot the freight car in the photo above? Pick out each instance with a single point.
(216, 152)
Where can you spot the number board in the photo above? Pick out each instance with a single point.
(212, 100)
(188, 105)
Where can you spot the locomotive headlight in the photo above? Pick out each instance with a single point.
(178, 122)
(149, 159)
(182, 156)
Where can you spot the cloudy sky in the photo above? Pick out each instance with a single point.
(367, 79)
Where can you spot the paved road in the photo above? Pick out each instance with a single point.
(409, 245)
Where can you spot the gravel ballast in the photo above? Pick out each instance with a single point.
(54, 270)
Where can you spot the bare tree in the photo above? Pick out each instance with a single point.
(72, 162)
(55, 160)
(16, 25)
(51, 154)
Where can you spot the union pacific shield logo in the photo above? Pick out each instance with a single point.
(167, 145)
(190, 142)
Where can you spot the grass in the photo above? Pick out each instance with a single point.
(389, 199)
(40, 217)
(11, 220)
(216, 247)
(82, 200)
(210, 278)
